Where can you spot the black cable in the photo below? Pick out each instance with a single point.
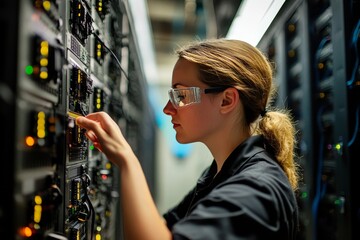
(114, 56)
(86, 182)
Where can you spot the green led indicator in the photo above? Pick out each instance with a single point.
(29, 70)
(337, 202)
(92, 147)
(338, 146)
(304, 195)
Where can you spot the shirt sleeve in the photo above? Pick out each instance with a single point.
(246, 208)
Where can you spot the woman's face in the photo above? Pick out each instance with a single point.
(196, 122)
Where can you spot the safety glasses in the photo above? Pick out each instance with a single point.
(181, 97)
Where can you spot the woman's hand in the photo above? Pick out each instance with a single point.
(140, 216)
(106, 136)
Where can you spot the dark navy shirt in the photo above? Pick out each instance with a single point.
(250, 198)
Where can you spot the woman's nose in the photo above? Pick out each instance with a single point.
(169, 109)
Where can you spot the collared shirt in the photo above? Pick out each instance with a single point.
(250, 198)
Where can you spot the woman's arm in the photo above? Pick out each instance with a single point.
(140, 215)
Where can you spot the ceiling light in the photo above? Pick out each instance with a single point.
(252, 20)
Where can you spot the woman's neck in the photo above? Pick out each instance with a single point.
(224, 144)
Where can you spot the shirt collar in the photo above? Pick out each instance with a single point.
(234, 162)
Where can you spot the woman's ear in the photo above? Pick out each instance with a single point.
(230, 100)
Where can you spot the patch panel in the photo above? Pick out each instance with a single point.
(77, 143)
(79, 210)
(80, 88)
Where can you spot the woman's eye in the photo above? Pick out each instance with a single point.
(181, 97)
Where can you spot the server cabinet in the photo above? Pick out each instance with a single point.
(317, 65)
(65, 59)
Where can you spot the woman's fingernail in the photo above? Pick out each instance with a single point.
(78, 120)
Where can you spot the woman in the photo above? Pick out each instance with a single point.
(220, 93)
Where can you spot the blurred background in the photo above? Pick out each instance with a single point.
(63, 59)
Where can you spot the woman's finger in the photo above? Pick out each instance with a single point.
(95, 132)
(106, 122)
(91, 135)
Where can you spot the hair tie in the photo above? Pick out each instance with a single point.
(263, 112)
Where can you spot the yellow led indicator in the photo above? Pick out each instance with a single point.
(79, 76)
(41, 133)
(78, 191)
(107, 213)
(44, 62)
(41, 115)
(41, 122)
(37, 213)
(100, 9)
(44, 50)
(79, 135)
(38, 200)
(41, 125)
(79, 7)
(108, 165)
(43, 75)
(98, 106)
(338, 146)
(98, 237)
(321, 95)
(29, 141)
(98, 100)
(47, 5)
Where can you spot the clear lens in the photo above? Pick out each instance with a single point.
(181, 97)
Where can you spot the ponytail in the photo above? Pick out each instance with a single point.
(279, 132)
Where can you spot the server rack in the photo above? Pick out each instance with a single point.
(67, 59)
(316, 45)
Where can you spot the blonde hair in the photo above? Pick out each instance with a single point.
(234, 63)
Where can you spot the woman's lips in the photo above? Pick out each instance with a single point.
(175, 125)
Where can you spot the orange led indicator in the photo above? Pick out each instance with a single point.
(291, 28)
(25, 232)
(36, 70)
(29, 141)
